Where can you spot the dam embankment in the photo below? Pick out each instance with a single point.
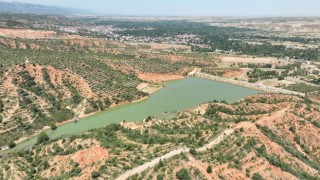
(258, 87)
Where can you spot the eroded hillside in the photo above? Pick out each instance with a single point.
(55, 70)
(264, 136)
(57, 77)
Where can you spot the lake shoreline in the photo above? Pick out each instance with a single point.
(46, 128)
(179, 96)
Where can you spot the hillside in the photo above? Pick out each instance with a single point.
(57, 77)
(59, 69)
(270, 137)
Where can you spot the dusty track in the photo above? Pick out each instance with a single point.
(155, 161)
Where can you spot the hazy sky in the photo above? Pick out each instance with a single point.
(193, 7)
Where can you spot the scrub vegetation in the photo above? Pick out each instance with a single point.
(56, 69)
(283, 149)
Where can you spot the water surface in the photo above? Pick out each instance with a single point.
(176, 96)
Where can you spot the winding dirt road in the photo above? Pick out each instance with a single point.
(155, 161)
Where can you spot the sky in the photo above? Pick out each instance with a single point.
(191, 7)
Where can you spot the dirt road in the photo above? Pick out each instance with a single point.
(216, 141)
(150, 164)
(155, 161)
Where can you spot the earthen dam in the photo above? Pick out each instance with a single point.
(259, 87)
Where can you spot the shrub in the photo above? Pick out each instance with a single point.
(183, 174)
(149, 118)
(159, 165)
(53, 126)
(209, 169)
(160, 176)
(252, 80)
(257, 176)
(11, 144)
(75, 171)
(42, 137)
(102, 168)
(95, 174)
(6, 167)
(193, 151)
(280, 78)
(1, 107)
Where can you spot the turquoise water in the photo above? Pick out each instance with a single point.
(176, 96)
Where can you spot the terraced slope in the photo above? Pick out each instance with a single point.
(34, 96)
(276, 137)
(56, 77)
(262, 137)
(110, 151)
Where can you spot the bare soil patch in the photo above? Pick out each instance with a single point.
(85, 158)
(247, 59)
(26, 33)
(233, 73)
(152, 77)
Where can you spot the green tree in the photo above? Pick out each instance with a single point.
(183, 174)
(42, 137)
(1, 106)
(281, 78)
(257, 176)
(209, 169)
(95, 174)
(53, 126)
(268, 65)
(160, 176)
(193, 151)
(107, 102)
(149, 118)
(159, 165)
(11, 144)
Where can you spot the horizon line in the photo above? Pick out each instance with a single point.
(88, 12)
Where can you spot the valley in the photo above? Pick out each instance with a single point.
(117, 97)
(274, 131)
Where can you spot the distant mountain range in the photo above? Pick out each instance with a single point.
(18, 7)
